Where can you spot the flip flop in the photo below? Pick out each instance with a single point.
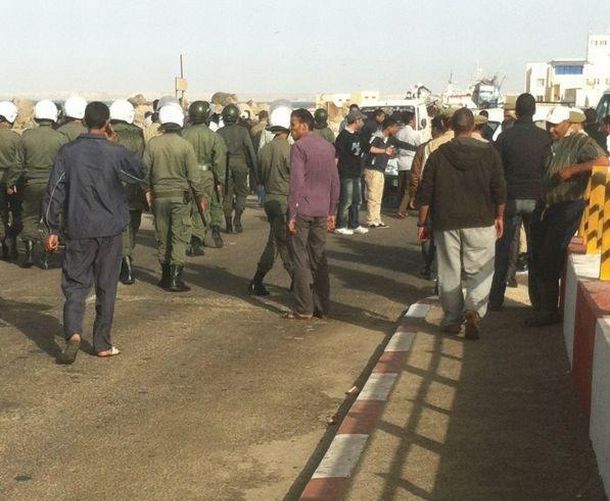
(293, 315)
(114, 351)
(68, 355)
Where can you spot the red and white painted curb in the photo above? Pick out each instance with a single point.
(330, 478)
(586, 330)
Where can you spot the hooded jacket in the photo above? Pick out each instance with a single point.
(463, 184)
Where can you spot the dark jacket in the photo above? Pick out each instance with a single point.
(463, 184)
(86, 188)
(524, 149)
(349, 153)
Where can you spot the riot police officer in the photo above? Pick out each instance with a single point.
(211, 154)
(9, 146)
(241, 158)
(74, 111)
(321, 127)
(122, 114)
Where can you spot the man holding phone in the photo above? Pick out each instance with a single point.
(86, 188)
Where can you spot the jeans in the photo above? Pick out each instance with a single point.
(517, 211)
(349, 202)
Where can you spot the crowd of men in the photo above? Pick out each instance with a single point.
(87, 182)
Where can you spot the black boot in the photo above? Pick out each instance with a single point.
(28, 260)
(256, 287)
(229, 224)
(126, 277)
(12, 247)
(196, 247)
(237, 221)
(165, 277)
(176, 283)
(44, 260)
(216, 237)
(6, 255)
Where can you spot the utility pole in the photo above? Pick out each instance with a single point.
(181, 84)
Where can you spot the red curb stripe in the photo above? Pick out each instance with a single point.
(391, 362)
(324, 489)
(362, 417)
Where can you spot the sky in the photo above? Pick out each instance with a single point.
(283, 48)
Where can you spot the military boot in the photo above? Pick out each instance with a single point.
(196, 247)
(256, 287)
(218, 242)
(237, 221)
(12, 247)
(176, 283)
(229, 224)
(126, 277)
(165, 276)
(28, 260)
(6, 255)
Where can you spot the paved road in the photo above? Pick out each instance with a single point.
(214, 397)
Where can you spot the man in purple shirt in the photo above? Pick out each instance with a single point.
(312, 206)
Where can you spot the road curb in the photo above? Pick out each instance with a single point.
(331, 477)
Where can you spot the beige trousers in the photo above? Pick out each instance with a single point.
(374, 189)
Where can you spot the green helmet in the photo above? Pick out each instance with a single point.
(320, 117)
(230, 114)
(199, 111)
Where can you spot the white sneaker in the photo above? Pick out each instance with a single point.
(361, 230)
(344, 231)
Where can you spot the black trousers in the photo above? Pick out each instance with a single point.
(308, 252)
(552, 229)
(89, 261)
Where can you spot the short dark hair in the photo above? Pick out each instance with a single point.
(591, 116)
(484, 113)
(407, 116)
(438, 124)
(388, 122)
(304, 116)
(96, 115)
(463, 121)
(378, 112)
(606, 120)
(354, 107)
(525, 105)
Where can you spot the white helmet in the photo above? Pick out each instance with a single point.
(171, 114)
(165, 100)
(75, 107)
(46, 110)
(8, 110)
(122, 110)
(280, 118)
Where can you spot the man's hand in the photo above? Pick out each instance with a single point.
(111, 135)
(51, 243)
(499, 224)
(149, 199)
(423, 234)
(390, 151)
(331, 223)
(292, 226)
(10, 190)
(203, 205)
(566, 173)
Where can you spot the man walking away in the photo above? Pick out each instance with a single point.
(350, 152)
(86, 187)
(524, 150)
(408, 134)
(173, 179)
(39, 147)
(557, 215)
(312, 206)
(463, 192)
(274, 174)
(122, 114)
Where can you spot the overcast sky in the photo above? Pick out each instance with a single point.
(275, 48)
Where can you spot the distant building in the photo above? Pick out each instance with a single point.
(579, 82)
(361, 98)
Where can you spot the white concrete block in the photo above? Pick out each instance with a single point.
(341, 457)
(599, 425)
(400, 341)
(418, 310)
(378, 386)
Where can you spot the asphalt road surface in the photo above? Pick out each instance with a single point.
(214, 396)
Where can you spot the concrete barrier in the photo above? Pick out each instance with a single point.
(586, 329)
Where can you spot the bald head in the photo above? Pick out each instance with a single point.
(463, 122)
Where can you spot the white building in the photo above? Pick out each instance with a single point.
(579, 82)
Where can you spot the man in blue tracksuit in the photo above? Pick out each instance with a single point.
(86, 187)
